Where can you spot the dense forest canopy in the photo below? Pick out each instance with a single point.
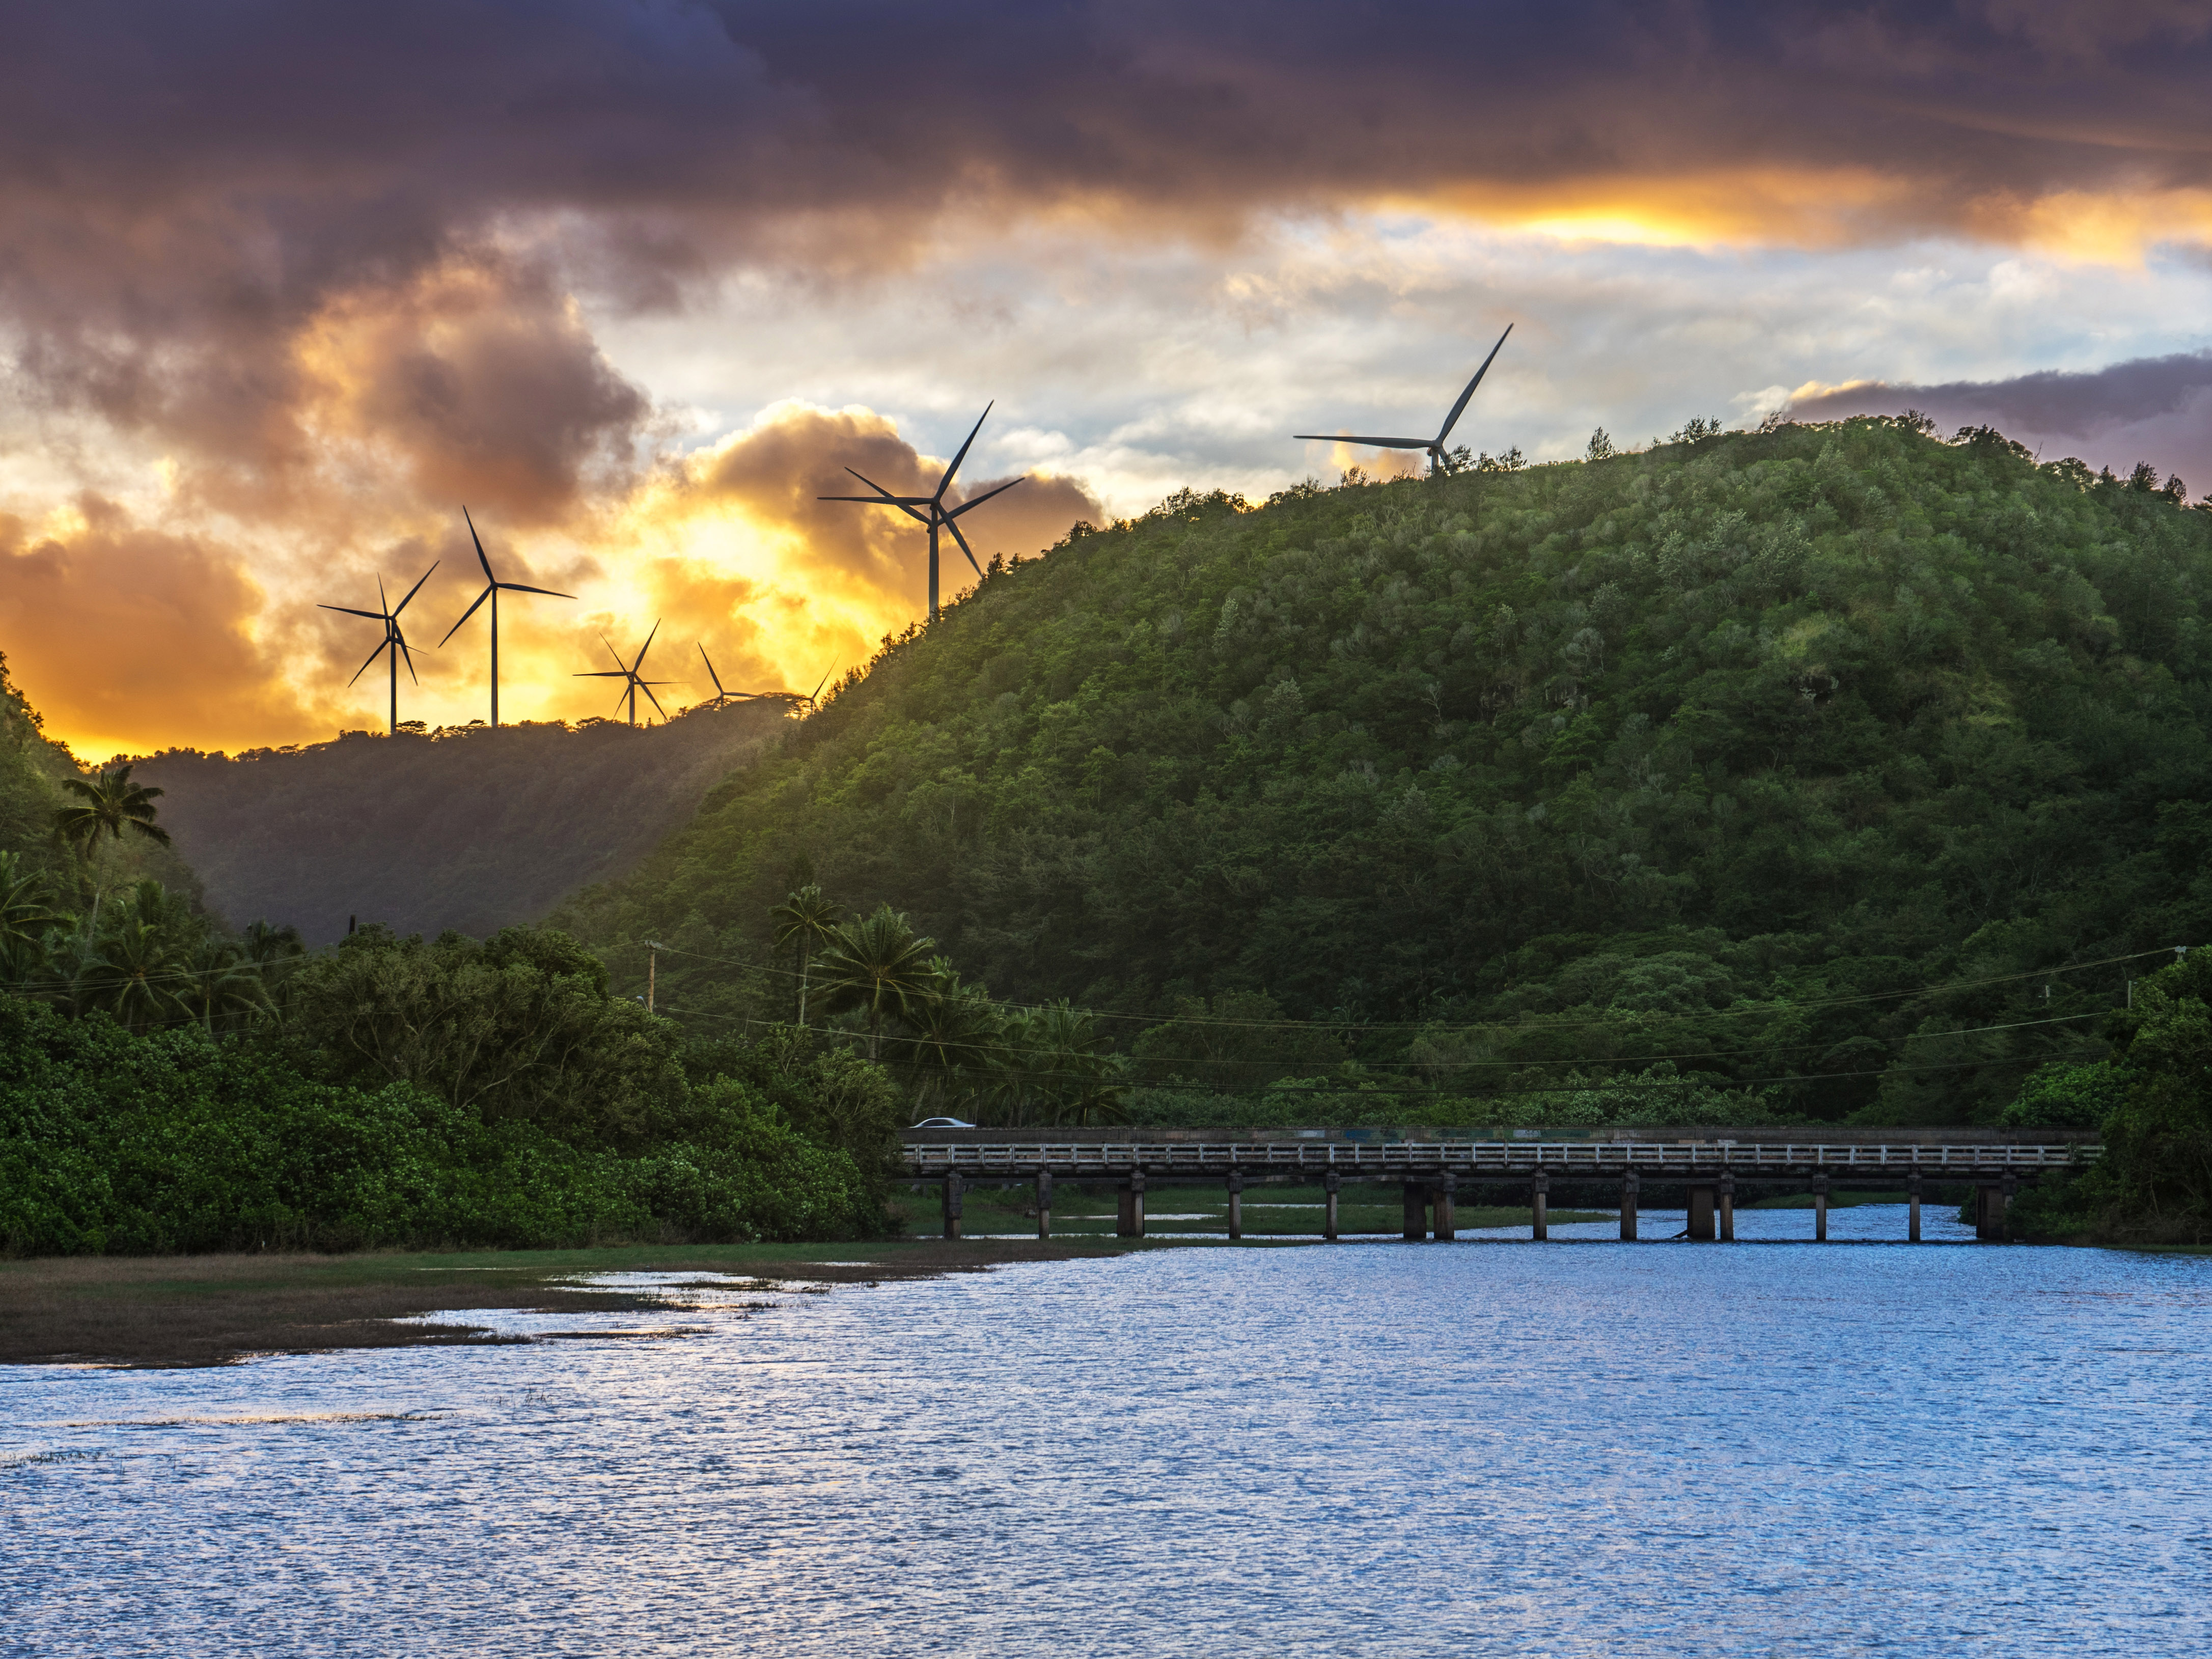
(471, 827)
(1838, 768)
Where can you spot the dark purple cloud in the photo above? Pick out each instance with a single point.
(2154, 408)
(183, 189)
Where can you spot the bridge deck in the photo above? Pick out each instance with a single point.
(1399, 1159)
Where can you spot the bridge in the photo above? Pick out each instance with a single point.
(1708, 1163)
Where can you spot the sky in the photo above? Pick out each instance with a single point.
(284, 286)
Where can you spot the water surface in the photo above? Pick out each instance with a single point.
(1364, 1449)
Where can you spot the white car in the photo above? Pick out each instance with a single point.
(943, 1123)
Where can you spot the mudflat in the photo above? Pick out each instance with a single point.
(214, 1310)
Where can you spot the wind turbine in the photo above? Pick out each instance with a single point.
(723, 694)
(629, 672)
(393, 640)
(930, 509)
(493, 588)
(1437, 461)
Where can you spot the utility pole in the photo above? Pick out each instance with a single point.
(652, 961)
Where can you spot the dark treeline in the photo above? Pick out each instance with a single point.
(1821, 772)
(467, 828)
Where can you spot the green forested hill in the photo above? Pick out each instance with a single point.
(471, 828)
(1709, 761)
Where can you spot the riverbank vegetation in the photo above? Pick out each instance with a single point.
(390, 1092)
(2151, 1102)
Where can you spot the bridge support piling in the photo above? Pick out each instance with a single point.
(1044, 1203)
(1540, 1194)
(1912, 1207)
(1331, 1184)
(1440, 1199)
(1991, 1202)
(1701, 1212)
(1820, 1209)
(1724, 1190)
(1628, 1208)
(1130, 1223)
(952, 1205)
(1417, 1211)
(1236, 1204)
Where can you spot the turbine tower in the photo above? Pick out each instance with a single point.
(1437, 461)
(493, 588)
(629, 672)
(930, 509)
(393, 640)
(724, 695)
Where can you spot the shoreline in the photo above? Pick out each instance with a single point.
(182, 1312)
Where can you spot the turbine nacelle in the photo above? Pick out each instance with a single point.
(394, 640)
(1438, 456)
(931, 510)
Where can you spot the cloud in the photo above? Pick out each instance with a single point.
(2158, 408)
(116, 625)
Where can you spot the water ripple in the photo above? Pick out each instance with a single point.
(1375, 1449)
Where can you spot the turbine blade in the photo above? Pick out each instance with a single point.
(647, 686)
(517, 588)
(466, 614)
(1370, 443)
(479, 540)
(383, 600)
(417, 588)
(638, 665)
(400, 639)
(616, 655)
(372, 656)
(1452, 419)
(601, 674)
(943, 481)
(711, 674)
(964, 548)
(374, 616)
(818, 684)
(984, 497)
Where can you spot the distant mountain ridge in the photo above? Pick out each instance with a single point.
(471, 829)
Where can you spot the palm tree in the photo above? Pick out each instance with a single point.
(951, 1030)
(807, 920)
(25, 920)
(877, 964)
(109, 802)
(221, 982)
(1052, 1067)
(133, 973)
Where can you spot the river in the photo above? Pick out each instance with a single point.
(1366, 1449)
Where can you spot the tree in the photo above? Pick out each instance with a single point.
(133, 973)
(520, 1027)
(876, 964)
(134, 955)
(1054, 1068)
(952, 1030)
(221, 982)
(25, 921)
(109, 801)
(807, 921)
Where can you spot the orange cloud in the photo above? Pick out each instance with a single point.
(127, 637)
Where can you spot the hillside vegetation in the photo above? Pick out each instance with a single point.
(1821, 770)
(471, 827)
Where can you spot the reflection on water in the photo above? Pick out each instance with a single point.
(1382, 1449)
